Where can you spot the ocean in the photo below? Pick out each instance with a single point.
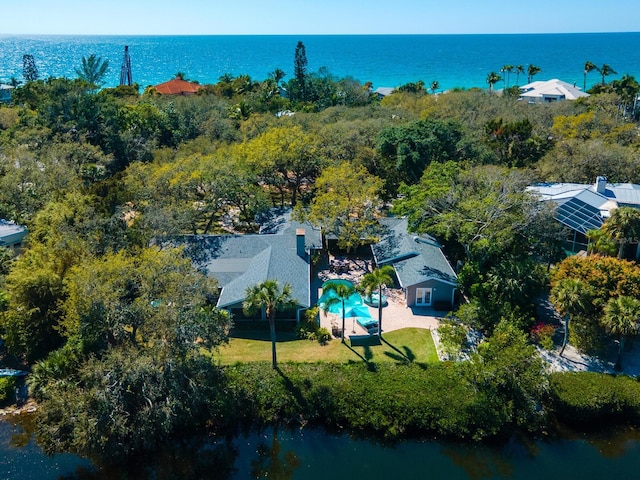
(385, 60)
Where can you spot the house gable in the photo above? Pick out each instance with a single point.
(416, 259)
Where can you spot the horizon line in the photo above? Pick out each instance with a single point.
(304, 34)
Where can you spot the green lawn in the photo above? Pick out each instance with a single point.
(405, 345)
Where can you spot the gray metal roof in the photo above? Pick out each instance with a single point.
(11, 233)
(242, 261)
(415, 259)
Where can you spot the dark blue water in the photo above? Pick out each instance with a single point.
(385, 60)
(312, 454)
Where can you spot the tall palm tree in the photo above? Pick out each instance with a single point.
(93, 70)
(375, 280)
(268, 297)
(570, 296)
(605, 71)
(434, 86)
(623, 227)
(519, 70)
(508, 69)
(532, 71)
(492, 79)
(621, 317)
(342, 292)
(588, 67)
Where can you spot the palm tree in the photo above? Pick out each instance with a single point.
(343, 292)
(519, 70)
(600, 243)
(532, 71)
(621, 317)
(623, 227)
(588, 67)
(434, 86)
(570, 296)
(268, 297)
(93, 70)
(277, 76)
(508, 69)
(627, 88)
(605, 71)
(492, 79)
(375, 280)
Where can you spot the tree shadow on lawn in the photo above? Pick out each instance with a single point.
(406, 356)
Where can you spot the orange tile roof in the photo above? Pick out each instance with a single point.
(177, 87)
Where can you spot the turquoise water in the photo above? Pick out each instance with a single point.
(354, 300)
(385, 60)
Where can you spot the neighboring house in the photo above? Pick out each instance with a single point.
(550, 91)
(581, 207)
(423, 271)
(177, 87)
(237, 262)
(5, 93)
(382, 92)
(11, 235)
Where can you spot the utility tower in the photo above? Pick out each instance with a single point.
(125, 71)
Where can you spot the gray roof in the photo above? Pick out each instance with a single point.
(11, 233)
(242, 261)
(415, 259)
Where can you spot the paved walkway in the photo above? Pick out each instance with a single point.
(394, 316)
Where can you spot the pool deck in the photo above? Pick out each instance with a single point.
(395, 315)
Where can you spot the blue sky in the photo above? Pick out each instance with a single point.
(215, 17)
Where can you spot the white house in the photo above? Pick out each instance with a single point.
(550, 91)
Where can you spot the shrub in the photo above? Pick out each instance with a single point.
(7, 390)
(542, 333)
(323, 336)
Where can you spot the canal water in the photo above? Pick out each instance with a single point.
(311, 454)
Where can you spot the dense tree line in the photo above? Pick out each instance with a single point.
(100, 177)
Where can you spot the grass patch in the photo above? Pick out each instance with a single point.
(406, 345)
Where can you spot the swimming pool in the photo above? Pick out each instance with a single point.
(353, 306)
(354, 300)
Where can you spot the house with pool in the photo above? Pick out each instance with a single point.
(424, 273)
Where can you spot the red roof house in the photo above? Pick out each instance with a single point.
(177, 87)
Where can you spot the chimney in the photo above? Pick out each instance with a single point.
(601, 184)
(300, 243)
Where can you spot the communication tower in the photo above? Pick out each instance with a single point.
(125, 71)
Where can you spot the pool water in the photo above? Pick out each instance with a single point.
(353, 306)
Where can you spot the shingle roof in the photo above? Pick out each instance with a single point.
(415, 258)
(242, 261)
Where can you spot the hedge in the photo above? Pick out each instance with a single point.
(387, 400)
(588, 397)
